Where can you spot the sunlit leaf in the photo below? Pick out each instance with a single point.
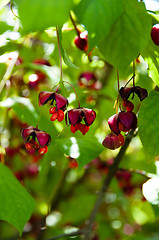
(78, 203)
(98, 16)
(16, 204)
(151, 56)
(23, 108)
(119, 47)
(4, 27)
(83, 150)
(38, 15)
(65, 56)
(148, 125)
(142, 212)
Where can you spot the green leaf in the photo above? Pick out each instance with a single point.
(98, 16)
(16, 204)
(148, 120)
(3, 3)
(23, 108)
(83, 150)
(142, 212)
(151, 57)
(128, 36)
(78, 201)
(66, 58)
(4, 27)
(38, 15)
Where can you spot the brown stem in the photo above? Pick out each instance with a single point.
(118, 80)
(75, 92)
(129, 80)
(117, 103)
(11, 8)
(133, 73)
(140, 172)
(106, 183)
(74, 24)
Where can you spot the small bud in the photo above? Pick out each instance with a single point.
(31, 134)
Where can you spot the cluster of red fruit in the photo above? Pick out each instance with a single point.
(73, 116)
(61, 104)
(124, 121)
(30, 135)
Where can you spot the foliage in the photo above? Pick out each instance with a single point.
(59, 181)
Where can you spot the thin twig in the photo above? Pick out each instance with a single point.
(11, 8)
(118, 80)
(129, 80)
(74, 24)
(141, 172)
(75, 92)
(117, 103)
(133, 73)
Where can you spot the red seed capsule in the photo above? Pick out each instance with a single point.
(43, 150)
(129, 105)
(52, 110)
(54, 116)
(60, 115)
(73, 129)
(29, 146)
